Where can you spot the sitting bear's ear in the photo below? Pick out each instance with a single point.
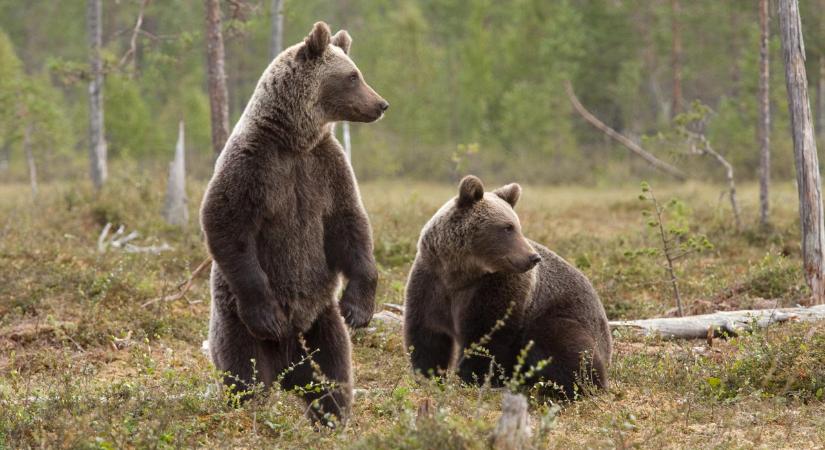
(317, 41)
(343, 40)
(470, 191)
(509, 193)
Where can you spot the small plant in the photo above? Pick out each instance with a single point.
(674, 236)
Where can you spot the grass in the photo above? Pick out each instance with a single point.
(84, 365)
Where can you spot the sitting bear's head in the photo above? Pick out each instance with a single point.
(478, 232)
(315, 82)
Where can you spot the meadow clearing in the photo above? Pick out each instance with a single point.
(84, 365)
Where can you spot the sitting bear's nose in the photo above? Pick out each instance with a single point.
(383, 105)
(535, 259)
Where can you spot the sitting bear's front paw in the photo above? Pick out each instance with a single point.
(265, 323)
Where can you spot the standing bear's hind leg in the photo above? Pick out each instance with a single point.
(328, 363)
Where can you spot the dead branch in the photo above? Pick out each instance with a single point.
(183, 287)
(129, 56)
(700, 145)
(613, 134)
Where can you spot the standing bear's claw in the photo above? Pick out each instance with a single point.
(355, 316)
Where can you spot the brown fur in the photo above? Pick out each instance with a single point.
(284, 220)
(473, 263)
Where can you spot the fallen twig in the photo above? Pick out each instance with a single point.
(183, 287)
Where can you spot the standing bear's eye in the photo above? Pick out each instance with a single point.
(353, 77)
(509, 228)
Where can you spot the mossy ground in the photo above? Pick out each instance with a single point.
(84, 365)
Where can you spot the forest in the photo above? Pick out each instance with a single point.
(667, 149)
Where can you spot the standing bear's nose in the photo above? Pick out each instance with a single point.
(535, 259)
(384, 105)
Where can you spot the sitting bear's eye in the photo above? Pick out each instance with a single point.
(353, 77)
(509, 228)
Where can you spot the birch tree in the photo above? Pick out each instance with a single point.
(97, 139)
(218, 95)
(764, 126)
(676, 56)
(276, 39)
(807, 164)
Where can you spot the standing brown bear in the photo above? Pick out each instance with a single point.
(473, 264)
(283, 220)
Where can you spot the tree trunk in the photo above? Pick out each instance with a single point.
(97, 139)
(218, 96)
(5, 155)
(27, 149)
(764, 128)
(807, 164)
(676, 56)
(347, 141)
(277, 37)
(175, 211)
(820, 99)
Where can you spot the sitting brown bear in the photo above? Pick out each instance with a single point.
(473, 264)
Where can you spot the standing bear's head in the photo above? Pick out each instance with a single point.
(478, 233)
(312, 84)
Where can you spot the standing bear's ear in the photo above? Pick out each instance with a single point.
(470, 191)
(509, 193)
(343, 40)
(317, 41)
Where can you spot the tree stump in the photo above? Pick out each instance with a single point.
(513, 429)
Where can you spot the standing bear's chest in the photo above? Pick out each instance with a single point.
(291, 237)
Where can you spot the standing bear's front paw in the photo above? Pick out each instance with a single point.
(266, 322)
(357, 312)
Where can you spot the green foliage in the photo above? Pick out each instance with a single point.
(775, 276)
(769, 364)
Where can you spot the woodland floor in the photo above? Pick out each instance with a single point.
(84, 365)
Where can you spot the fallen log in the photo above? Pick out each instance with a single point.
(721, 323)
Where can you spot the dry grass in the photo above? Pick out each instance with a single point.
(82, 364)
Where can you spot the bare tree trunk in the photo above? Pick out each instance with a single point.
(735, 69)
(613, 134)
(277, 37)
(807, 163)
(347, 141)
(764, 128)
(218, 95)
(820, 99)
(175, 211)
(27, 149)
(676, 56)
(5, 155)
(97, 139)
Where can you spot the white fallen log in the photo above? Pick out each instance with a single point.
(720, 323)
